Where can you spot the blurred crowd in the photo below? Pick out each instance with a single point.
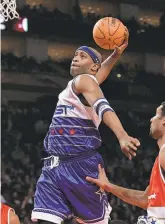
(23, 129)
(21, 154)
(78, 27)
(12, 63)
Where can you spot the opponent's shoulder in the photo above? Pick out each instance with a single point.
(14, 218)
(84, 83)
(162, 157)
(5, 207)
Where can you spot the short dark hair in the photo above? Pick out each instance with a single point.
(163, 108)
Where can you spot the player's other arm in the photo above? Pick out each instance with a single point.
(13, 218)
(92, 93)
(130, 196)
(94, 96)
(162, 158)
(108, 64)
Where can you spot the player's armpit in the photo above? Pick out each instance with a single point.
(162, 157)
(14, 218)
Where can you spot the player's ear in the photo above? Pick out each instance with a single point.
(96, 67)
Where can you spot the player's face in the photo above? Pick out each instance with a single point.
(157, 126)
(82, 63)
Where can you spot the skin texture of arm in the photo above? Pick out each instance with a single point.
(108, 64)
(92, 93)
(130, 196)
(106, 67)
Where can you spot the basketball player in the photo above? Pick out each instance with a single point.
(8, 215)
(153, 198)
(71, 144)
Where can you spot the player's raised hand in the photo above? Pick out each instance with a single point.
(129, 146)
(119, 50)
(102, 180)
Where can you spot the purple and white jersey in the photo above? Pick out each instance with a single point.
(74, 126)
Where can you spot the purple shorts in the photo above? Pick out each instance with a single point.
(62, 191)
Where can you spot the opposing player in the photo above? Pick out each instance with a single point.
(8, 215)
(71, 144)
(153, 198)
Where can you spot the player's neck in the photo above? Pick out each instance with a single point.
(161, 141)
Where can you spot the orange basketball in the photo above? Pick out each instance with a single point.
(108, 33)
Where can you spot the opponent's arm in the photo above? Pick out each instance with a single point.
(162, 158)
(94, 96)
(108, 64)
(130, 196)
(133, 197)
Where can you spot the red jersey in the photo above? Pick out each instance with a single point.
(5, 211)
(156, 198)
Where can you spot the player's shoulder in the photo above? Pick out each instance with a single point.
(14, 218)
(85, 82)
(7, 211)
(162, 157)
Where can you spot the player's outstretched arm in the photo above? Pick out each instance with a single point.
(130, 196)
(91, 91)
(108, 64)
(14, 218)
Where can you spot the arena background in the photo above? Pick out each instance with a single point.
(36, 52)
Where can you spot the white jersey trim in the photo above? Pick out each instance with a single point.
(46, 217)
(72, 136)
(72, 126)
(69, 144)
(8, 215)
(49, 210)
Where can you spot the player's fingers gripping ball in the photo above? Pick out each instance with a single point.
(109, 33)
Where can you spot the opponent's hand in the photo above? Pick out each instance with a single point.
(119, 50)
(129, 146)
(102, 180)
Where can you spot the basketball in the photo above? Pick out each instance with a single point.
(108, 33)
